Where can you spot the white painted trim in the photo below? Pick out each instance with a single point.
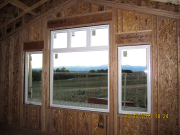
(26, 77)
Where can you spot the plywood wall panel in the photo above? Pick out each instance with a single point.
(72, 10)
(168, 102)
(84, 8)
(131, 126)
(119, 20)
(59, 14)
(130, 21)
(28, 17)
(154, 50)
(96, 8)
(144, 22)
(83, 123)
(36, 32)
(145, 126)
(166, 6)
(148, 3)
(35, 121)
(31, 117)
(48, 5)
(57, 120)
(98, 124)
(109, 8)
(57, 2)
(6, 82)
(28, 34)
(16, 78)
(70, 122)
(1, 78)
(131, 2)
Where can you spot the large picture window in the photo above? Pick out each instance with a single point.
(79, 68)
(33, 73)
(134, 85)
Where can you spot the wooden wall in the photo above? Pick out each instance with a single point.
(123, 19)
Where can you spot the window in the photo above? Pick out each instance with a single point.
(134, 85)
(33, 72)
(79, 68)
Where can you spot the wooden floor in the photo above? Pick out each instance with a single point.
(11, 130)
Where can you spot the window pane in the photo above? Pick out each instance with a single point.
(81, 79)
(134, 79)
(99, 37)
(60, 40)
(78, 38)
(34, 88)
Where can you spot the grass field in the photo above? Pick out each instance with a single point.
(78, 89)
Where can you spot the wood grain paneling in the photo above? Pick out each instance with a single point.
(98, 124)
(6, 82)
(30, 46)
(31, 117)
(83, 123)
(1, 79)
(154, 50)
(130, 21)
(72, 10)
(137, 37)
(144, 22)
(167, 101)
(28, 34)
(57, 119)
(59, 14)
(145, 126)
(131, 126)
(70, 122)
(16, 78)
(96, 8)
(84, 8)
(120, 25)
(78, 20)
(48, 5)
(36, 32)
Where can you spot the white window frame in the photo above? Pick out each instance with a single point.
(26, 77)
(77, 49)
(120, 111)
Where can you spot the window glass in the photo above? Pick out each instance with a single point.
(81, 79)
(99, 37)
(79, 72)
(33, 77)
(134, 79)
(78, 38)
(60, 40)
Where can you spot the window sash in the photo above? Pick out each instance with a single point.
(120, 111)
(26, 78)
(77, 49)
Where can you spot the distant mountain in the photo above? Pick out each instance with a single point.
(83, 68)
(134, 68)
(88, 68)
(38, 69)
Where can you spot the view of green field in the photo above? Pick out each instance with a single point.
(80, 87)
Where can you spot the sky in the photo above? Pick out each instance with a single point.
(95, 58)
(99, 37)
(36, 60)
(136, 57)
